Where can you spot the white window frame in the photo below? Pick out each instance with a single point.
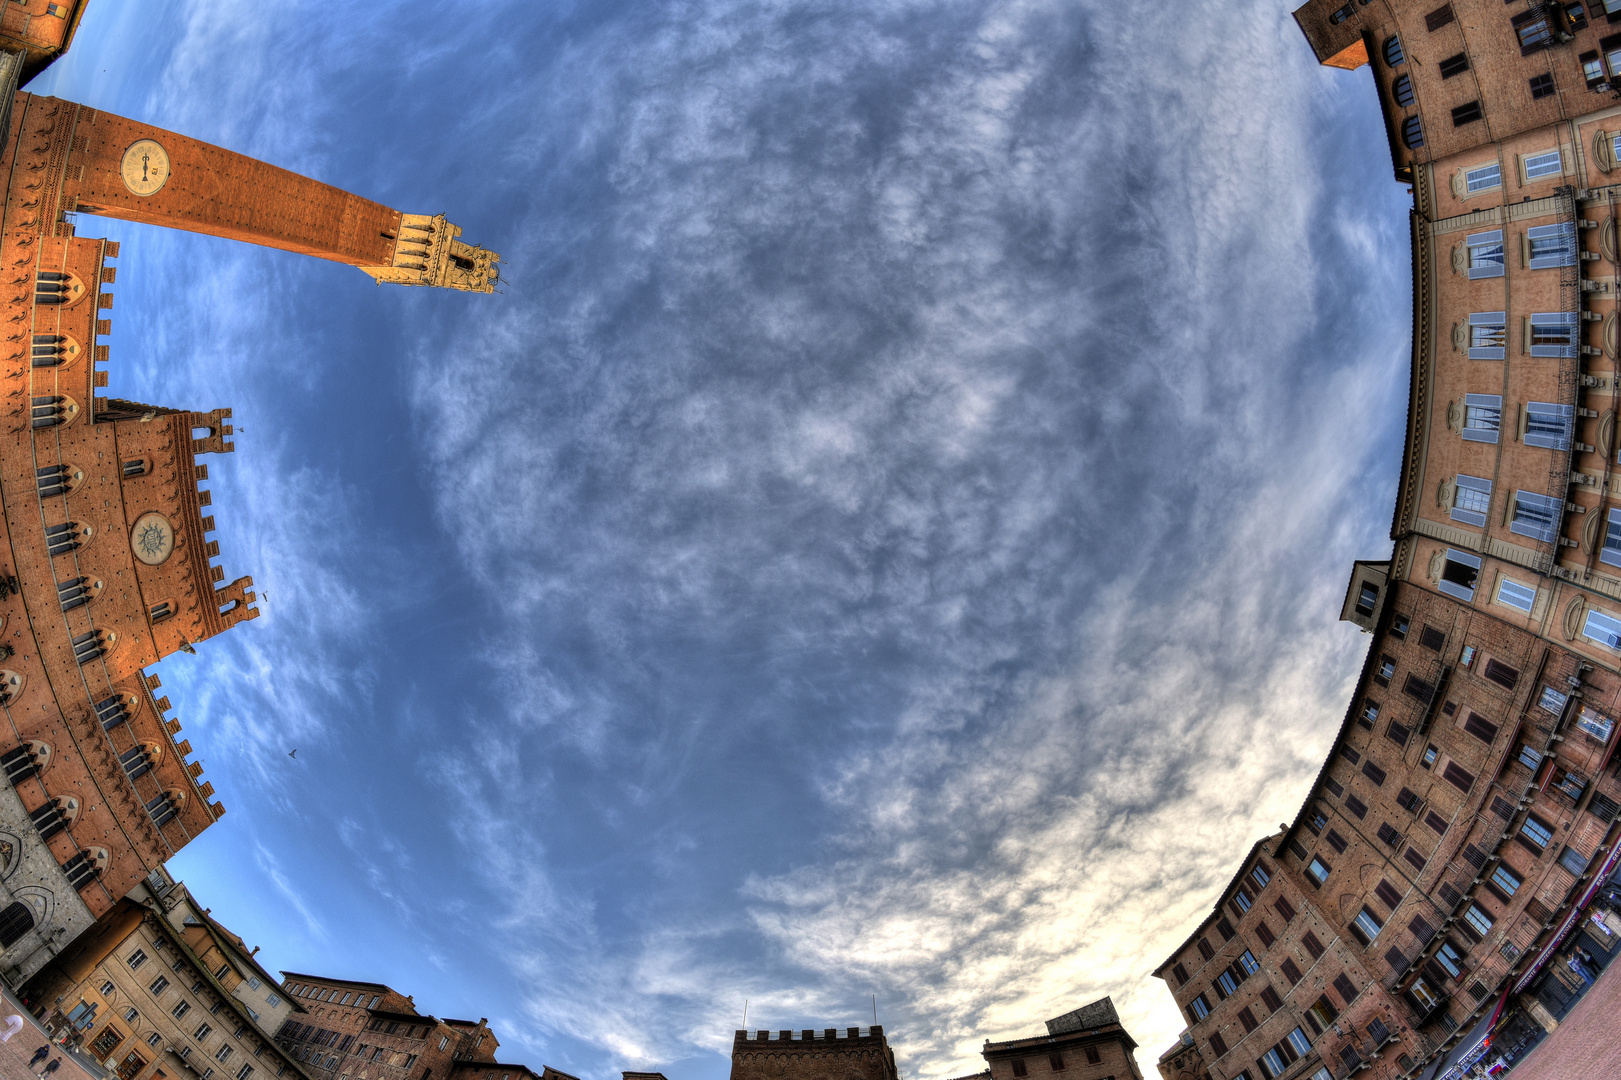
(1483, 177)
(1485, 254)
(1548, 691)
(1471, 508)
(1516, 594)
(1481, 327)
(1544, 163)
(1603, 629)
(1486, 408)
(1311, 873)
(1506, 879)
(1457, 591)
(1298, 1039)
(1595, 724)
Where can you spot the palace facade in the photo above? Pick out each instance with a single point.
(1468, 808)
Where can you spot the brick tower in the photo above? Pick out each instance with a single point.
(106, 563)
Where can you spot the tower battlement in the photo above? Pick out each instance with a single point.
(810, 1054)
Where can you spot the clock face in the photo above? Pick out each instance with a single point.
(152, 539)
(145, 167)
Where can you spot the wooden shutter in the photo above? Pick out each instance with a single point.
(1414, 857)
(1388, 894)
(1346, 988)
(1397, 733)
(1388, 833)
(1336, 841)
(1504, 676)
(1356, 806)
(1435, 821)
(1417, 689)
(1458, 777)
(1373, 772)
(1284, 909)
(1291, 971)
(1313, 946)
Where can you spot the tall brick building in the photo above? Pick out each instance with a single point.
(108, 564)
(1468, 806)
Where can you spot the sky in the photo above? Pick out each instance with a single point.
(880, 551)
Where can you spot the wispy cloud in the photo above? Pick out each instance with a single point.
(885, 540)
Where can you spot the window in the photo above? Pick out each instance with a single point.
(135, 959)
(444, 1040)
(1438, 18)
(1594, 724)
(1602, 628)
(1341, 15)
(1398, 627)
(1412, 133)
(1449, 959)
(1537, 833)
(1260, 876)
(1611, 551)
(1488, 336)
(1478, 919)
(1480, 727)
(1573, 861)
(1298, 1040)
(1547, 163)
(1356, 806)
(1317, 820)
(1242, 901)
(1553, 334)
(64, 537)
(1225, 929)
(1247, 963)
(1466, 114)
(1273, 1063)
(202, 1032)
(1291, 971)
(1541, 86)
(1217, 1043)
(1318, 871)
(1514, 594)
(1482, 417)
(1402, 91)
(1284, 909)
(223, 1054)
(1506, 881)
(1366, 925)
(1018, 1067)
(1460, 573)
(1092, 1055)
(244, 1072)
(1205, 949)
(1388, 834)
(1535, 515)
(1264, 932)
(1454, 65)
(1393, 51)
(1458, 777)
(159, 984)
(1199, 1007)
(154, 1038)
(1532, 29)
(1056, 1061)
(1226, 984)
(180, 1010)
(1530, 757)
(50, 410)
(1593, 71)
(1373, 772)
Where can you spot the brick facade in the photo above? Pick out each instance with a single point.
(368, 1031)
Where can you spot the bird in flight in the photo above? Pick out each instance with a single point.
(292, 753)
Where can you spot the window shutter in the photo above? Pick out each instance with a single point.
(1373, 772)
(1458, 778)
(1604, 629)
(1548, 425)
(1461, 511)
(1536, 515)
(1482, 401)
(1488, 269)
(1346, 988)
(1480, 727)
(1564, 254)
(1560, 324)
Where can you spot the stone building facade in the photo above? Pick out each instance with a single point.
(159, 989)
(368, 1031)
(1470, 800)
(110, 564)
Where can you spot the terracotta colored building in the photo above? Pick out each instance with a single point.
(1469, 804)
(830, 1054)
(367, 1031)
(109, 561)
(159, 989)
(1087, 1044)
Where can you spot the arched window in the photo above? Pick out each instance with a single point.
(15, 921)
(51, 287)
(1402, 91)
(49, 350)
(1412, 133)
(57, 479)
(1393, 51)
(52, 409)
(65, 536)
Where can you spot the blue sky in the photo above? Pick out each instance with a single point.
(886, 539)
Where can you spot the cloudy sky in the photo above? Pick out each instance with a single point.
(885, 540)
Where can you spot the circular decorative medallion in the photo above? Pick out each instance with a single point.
(153, 539)
(145, 167)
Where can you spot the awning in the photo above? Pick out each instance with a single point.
(1470, 1049)
(1575, 916)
